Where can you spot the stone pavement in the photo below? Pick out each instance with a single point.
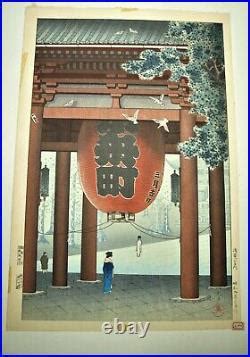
(134, 298)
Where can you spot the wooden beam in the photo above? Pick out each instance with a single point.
(68, 77)
(59, 146)
(113, 114)
(128, 91)
(61, 221)
(171, 149)
(189, 242)
(108, 113)
(72, 147)
(218, 246)
(32, 203)
(85, 59)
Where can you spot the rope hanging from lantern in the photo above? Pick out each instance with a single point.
(85, 231)
(166, 237)
(139, 228)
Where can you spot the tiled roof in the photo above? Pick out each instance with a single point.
(101, 32)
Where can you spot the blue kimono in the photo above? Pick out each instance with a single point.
(108, 267)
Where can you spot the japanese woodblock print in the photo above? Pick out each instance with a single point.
(127, 212)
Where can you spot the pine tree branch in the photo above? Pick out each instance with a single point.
(214, 70)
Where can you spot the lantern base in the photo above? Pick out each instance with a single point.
(120, 217)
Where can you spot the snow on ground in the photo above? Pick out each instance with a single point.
(160, 258)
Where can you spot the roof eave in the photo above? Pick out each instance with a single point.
(181, 47)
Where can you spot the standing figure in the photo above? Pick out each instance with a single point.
(138, 246)
(108, 267)
(44, 262)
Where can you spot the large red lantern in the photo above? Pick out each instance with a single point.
(120, 164)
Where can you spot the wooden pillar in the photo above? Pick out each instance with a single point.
(218, 258)
(32, 200)
(89, 241)
(189, 215)
(61, 220)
